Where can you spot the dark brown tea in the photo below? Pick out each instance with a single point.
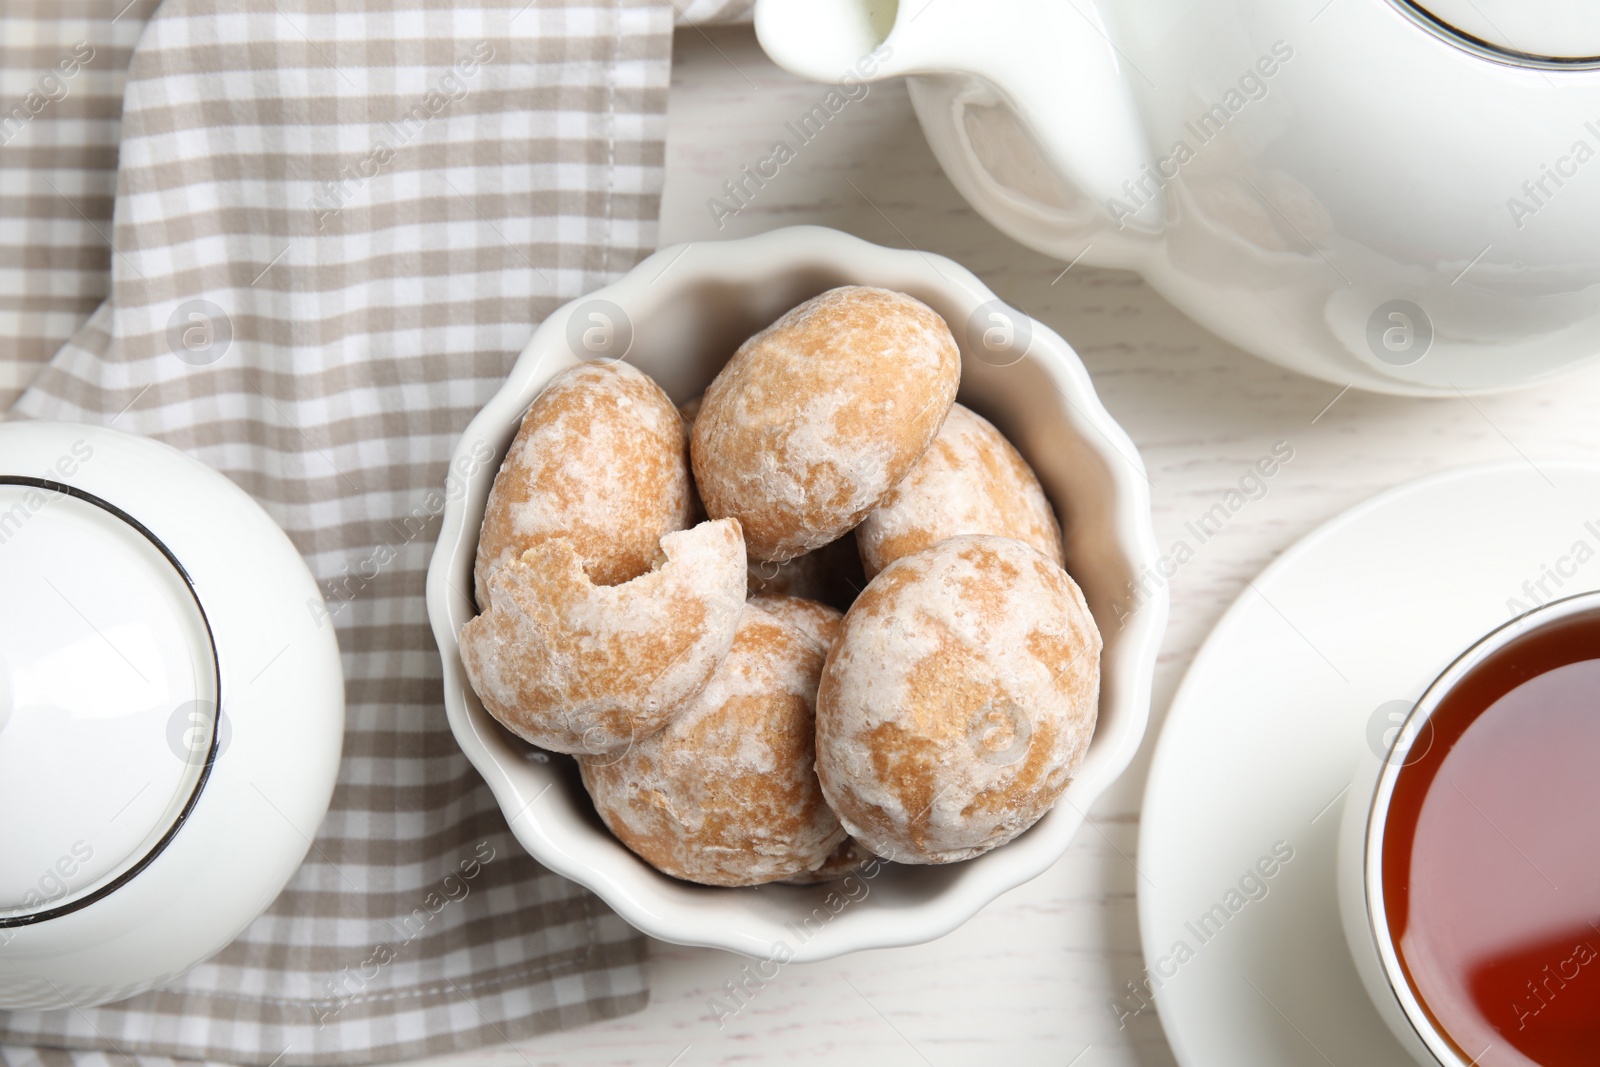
(1491, 854)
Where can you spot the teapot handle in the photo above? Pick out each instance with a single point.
(1052, 60)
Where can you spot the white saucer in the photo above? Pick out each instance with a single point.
(1264, 733)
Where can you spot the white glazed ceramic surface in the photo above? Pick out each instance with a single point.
(1304, 679)
(102, 645)
(686, 309)
(1360, 929)
(117, 928)
(1292, 175)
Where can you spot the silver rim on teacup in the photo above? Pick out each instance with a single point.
(1415, 729)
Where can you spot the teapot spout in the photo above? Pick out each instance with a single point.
(1052, 60)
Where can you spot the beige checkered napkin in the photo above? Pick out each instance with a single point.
(58, 156)
(62, 65)
(373, 205)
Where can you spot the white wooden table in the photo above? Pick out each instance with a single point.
(1030, 979)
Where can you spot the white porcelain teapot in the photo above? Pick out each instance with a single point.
(1403, 195)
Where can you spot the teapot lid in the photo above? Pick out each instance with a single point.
(1542, 32)
(108, 698)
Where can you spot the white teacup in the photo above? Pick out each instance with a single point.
(1362, 905)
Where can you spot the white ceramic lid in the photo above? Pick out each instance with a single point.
(1556, 29)
(108, 697)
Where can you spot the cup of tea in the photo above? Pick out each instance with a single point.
(1469, 855)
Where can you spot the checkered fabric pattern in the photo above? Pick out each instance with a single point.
(58, 162)
(62, 66)
(329, 231)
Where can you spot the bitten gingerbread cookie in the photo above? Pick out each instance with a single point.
(727, 793)
(601, 459)
(818, 416)
(969, 481)
(957, 700)
(583, 668)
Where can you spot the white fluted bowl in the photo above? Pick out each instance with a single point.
(678, 316)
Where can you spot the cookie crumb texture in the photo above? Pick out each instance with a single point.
(969, 481)
(816, 620)
(583, 668)
(957, 701)
(601, 458)
(818, 416)
(727, 793)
